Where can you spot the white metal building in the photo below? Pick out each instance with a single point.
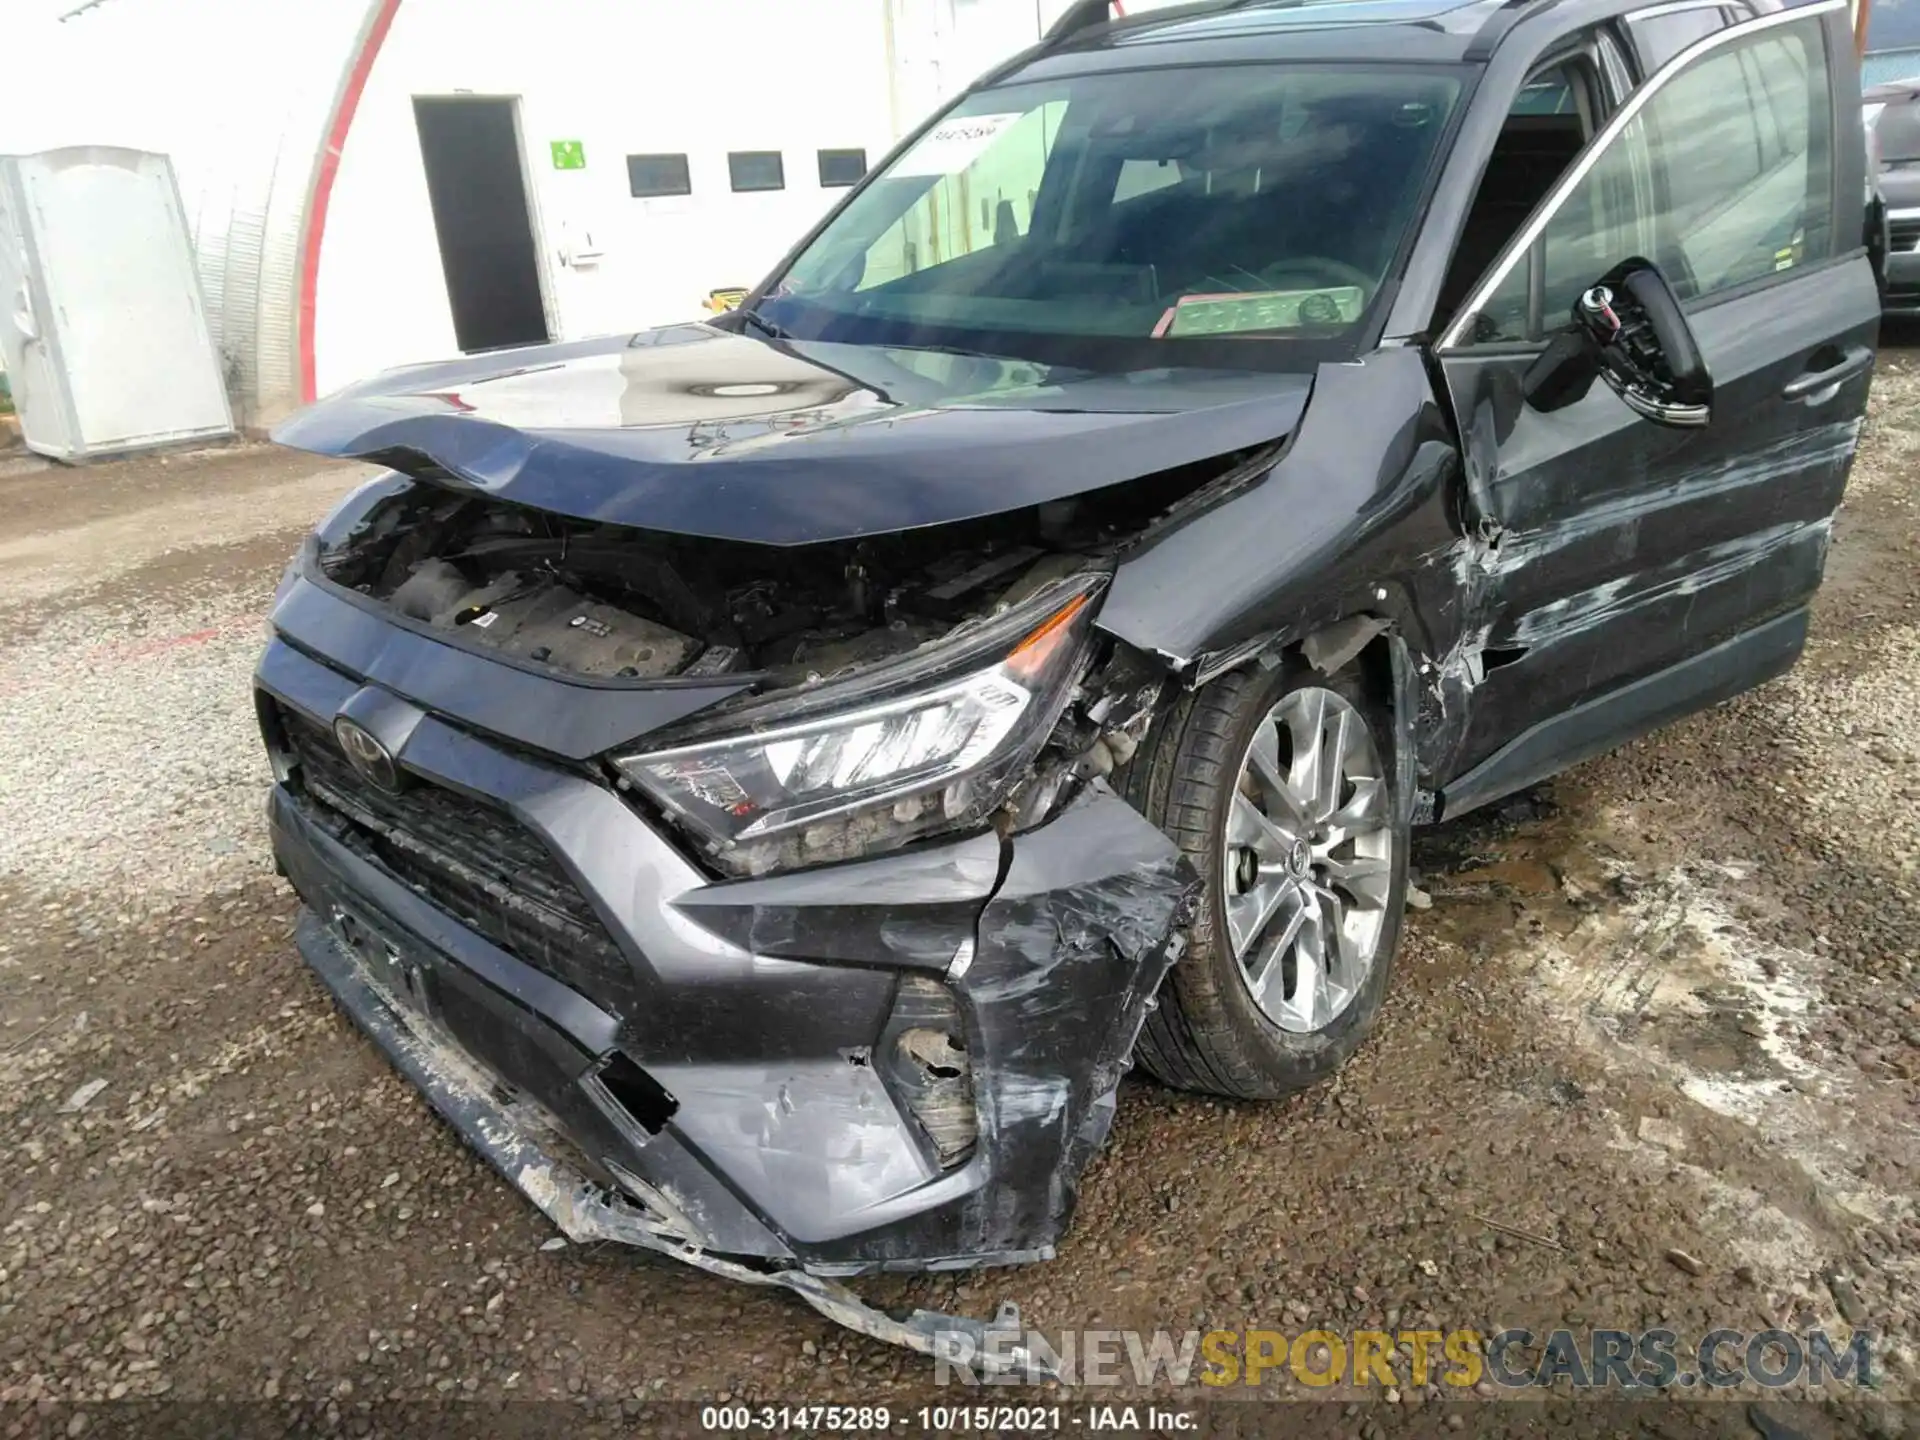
(373, 182)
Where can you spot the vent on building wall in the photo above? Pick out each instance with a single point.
(757, 170)
(652, 175)
(841, 167)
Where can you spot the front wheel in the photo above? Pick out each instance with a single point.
(1279, 786)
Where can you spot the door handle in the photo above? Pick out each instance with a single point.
(1808, 386)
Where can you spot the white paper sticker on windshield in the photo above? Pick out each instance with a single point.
(950, 146)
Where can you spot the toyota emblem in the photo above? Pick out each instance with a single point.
(366, 754)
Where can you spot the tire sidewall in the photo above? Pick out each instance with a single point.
(1297, 1059)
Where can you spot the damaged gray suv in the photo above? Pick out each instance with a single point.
(766, 780)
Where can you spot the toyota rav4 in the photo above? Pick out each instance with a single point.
(767, 779)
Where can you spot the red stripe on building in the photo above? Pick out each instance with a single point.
(344, 106)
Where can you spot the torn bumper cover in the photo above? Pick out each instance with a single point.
(519, 1140)
(898, 1063)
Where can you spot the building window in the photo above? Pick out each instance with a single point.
(841, 167)
(757, 170)
(649, 175)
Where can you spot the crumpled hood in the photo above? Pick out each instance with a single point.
(697, 431)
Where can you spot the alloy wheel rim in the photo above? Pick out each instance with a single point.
(1307, 860)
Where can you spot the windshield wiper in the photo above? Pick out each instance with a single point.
(765, 326)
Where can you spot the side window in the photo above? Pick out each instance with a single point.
(1549, 93)
(1660, 37)
(1721, 177)
(1548, 125)
(1142, 177)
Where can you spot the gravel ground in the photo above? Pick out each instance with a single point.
(1665, 1004)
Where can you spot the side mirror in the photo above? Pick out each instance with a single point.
(1564, 372)
(1629, 329)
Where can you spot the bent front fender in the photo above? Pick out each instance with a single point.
(1349, 518)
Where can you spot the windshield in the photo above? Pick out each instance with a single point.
(1132, 216)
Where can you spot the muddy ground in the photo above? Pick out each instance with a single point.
(1650, 1056)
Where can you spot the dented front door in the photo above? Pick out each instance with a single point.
(1607, 549)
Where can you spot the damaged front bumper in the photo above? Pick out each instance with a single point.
(520, 1140)
(899, 1063)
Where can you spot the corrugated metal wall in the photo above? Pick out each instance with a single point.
(237, 92)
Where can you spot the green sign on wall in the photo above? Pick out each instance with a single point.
(569, 155)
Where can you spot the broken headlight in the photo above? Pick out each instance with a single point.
(868, 763)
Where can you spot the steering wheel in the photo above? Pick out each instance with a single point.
(1315, 272)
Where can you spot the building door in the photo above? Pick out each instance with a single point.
(478, 188)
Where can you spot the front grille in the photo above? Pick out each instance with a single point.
(471, 860)
(1904, 234)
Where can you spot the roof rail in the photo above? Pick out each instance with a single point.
(1085, 14)
(1494, 29)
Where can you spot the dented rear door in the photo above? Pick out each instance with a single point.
(1605, 548)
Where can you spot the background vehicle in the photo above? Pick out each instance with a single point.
(1892, 114)
(791, 754)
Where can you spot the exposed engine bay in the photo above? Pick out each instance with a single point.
(612, 602)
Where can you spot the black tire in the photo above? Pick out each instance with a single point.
(1207, 1033)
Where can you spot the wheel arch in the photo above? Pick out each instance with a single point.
(1375, 637)
(1202, 1036)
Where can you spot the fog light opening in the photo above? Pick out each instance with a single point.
(924, 1058)
(637, 1093)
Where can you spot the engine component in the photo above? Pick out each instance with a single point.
(550, 623)
(608, 600)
